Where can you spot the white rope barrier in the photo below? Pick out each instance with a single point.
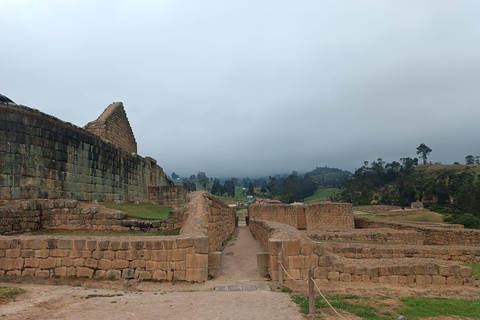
(318, 289)
(327, 300)
(289, 274)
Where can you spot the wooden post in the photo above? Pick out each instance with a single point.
(311, 292)
(280, 268)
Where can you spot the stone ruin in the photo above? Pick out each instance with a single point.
(53, 173)
(344, 248)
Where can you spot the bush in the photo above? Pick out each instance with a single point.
(374, 202)
(469, 221)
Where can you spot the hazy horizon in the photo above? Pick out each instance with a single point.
(255, 88)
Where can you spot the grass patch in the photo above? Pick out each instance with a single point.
(475, 267)
(87, 233)
(379, 308)
(320, 195)
(423, 216)
(144, 211)
(361, 307)
(433, 307)
(7, 293)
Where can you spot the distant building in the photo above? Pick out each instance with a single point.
(232, 203)
(417, 205)
(297, 204)
(267, 201)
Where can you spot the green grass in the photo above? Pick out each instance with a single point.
(143, 211)
(377, 308)
(417, 308)
(321, 195)
(475, 267)
(7, 293)
(84, 233)
(423, 216)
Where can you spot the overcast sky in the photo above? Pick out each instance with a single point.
(237, 88)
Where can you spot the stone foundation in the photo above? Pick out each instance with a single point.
(301, 253)
(431, 234)
(184, 257)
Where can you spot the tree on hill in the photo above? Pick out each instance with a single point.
(469, 159)
(424, 151)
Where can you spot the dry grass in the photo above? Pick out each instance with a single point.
(404, 216)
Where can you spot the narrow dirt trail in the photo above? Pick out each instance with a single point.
(240, 257)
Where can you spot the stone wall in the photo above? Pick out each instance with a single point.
(186, 257)
(464, 254)
(43, 157)
(19, 216)
(113, 126)
(170, 196)
(158, 258)
(370, 235)
(315, 217)
(213, 218)
(431, 235)
(301, 253)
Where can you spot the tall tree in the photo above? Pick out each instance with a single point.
(424, 151)
(469, 159)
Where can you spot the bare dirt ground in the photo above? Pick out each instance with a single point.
(111, 300)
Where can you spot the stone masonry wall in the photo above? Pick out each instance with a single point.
(318, 217)
(43, 157)
(464, 254)
(19, 216)
(370, 235)
(330, 217)
(431, 235)
(213, 218)
(170, 196)
(301, 253)
(113, 126)
(185, 257)
(158, 258)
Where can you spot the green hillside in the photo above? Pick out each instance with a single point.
(328, 177)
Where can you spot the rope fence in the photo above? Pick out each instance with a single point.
(311, 284)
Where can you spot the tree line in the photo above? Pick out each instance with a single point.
(400, 183)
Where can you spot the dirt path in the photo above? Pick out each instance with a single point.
(148, 300)
(239, 258)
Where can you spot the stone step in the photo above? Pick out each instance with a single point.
(245, 287)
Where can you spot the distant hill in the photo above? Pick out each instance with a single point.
(328, 177)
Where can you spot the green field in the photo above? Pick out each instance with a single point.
(144, 211)
(386, 308)
(321, 195)
(419, 216)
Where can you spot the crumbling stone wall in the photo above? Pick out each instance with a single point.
(301, 253)
(43, 157)
(113, 126)
(315, 217)
(187, 257)
(431, 235)
(19, 216)
(170, 196)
